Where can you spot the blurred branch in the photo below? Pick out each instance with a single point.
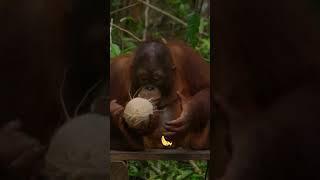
(195, 167)
(200, 8)
(111, 23)
(61, 96)
(158, 171)
(123, 8)
(146, 17)
(128, 32)
(163, 12)
(85, 97)
(205, 59)
(164, 40)
(204, 33)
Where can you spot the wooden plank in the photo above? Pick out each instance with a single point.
(160, 154)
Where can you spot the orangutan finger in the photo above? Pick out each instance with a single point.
(176, 122)
(113, 101)
(175, 129)
(181, 96)
(118, 111)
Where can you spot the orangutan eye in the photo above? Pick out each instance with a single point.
(142, 75)
(143, 78)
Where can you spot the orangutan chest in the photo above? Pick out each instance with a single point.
(155, 140)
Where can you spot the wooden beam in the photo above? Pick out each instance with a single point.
(160, 154)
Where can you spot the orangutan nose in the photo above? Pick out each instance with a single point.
(149, 87)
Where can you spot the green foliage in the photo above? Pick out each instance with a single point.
(135, 26)
(115, 4)
(163, 169)
(180, 8)
(204, 47)
(196, 34)
(203, 41)
(114, 50)
(204, 24)
(130, 45)
(193, 29)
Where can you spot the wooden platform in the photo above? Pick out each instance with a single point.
(160, 154)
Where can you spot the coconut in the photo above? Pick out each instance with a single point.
(137, 112)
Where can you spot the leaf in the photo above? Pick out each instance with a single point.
(193, 29)
(203, 24)
(184, 175)
(196, 177)
(114, 50)
(133, 171)
(115, 3)
(129, 44)
(173, 2)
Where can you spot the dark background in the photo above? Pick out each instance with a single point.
(39, 41)
(266, 89)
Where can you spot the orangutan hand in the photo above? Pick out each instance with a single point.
(116, 111)
(182, 123)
